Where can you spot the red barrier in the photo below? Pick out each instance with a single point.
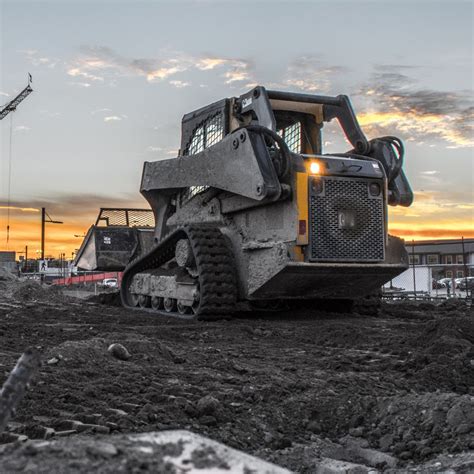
(93, 277)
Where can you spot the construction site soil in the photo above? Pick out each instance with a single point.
(387, 392)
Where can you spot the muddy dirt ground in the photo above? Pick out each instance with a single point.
(394, 391)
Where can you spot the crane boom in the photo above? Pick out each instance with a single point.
(13, 104)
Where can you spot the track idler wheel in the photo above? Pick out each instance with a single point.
(170, 305)
(144, 301)
(183, 309)
(157, 302)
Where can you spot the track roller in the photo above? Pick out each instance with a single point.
(206, 249)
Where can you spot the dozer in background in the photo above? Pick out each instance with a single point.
(252, 213)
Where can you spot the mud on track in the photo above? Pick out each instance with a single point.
(285, 387)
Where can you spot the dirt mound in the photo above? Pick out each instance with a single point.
(453, 306)
(437, 422)
(6, 275)
(30, 290)
(80, 353)
(459, 331)
(109, 298)
(407, 426)
(446, 351)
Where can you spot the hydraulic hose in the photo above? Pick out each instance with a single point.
(397, 145)
(285, 151)
(397, 152)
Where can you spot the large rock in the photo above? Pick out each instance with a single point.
(119, 351)
(169, 451)
(207, 405)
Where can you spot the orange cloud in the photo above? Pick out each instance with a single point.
(433, 215)
(417, 124)
(97, 63)
(430, 233)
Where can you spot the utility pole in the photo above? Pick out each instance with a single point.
(465, 266)
(413, 265)
(44, 214)
(43, 219)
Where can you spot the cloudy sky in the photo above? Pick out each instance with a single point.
(112, 80)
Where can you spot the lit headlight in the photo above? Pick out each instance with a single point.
(315, 167)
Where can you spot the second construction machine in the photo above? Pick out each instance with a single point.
(252, 213)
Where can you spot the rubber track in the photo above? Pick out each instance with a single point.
(214, 262)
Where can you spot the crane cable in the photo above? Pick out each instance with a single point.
(9, 180)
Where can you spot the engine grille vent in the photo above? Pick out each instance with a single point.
(346, 222)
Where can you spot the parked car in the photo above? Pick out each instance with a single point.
(446, 282)
(437, 284)
(457, 282)
(466, 283)
(110, 282)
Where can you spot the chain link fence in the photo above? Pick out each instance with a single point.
(432, 282)
(438, 270)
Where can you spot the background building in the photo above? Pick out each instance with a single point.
(446, 255)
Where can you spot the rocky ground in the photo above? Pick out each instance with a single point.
(389, 392)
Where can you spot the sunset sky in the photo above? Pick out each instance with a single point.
(112, 80)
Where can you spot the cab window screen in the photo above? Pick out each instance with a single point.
(207, 134)
(292, 136)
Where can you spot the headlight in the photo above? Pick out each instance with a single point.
(315, 167)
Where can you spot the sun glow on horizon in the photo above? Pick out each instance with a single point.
(67, 238)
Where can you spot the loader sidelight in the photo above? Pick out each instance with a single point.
(253, 211)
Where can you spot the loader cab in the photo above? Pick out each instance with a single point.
(299, 120)
(300, 131)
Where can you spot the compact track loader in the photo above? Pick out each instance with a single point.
(252, 213)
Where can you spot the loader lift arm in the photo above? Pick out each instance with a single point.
(388, 151)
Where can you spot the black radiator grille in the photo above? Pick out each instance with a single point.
(333, 203)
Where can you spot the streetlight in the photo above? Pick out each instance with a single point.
(44, 214)
(43, 222)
